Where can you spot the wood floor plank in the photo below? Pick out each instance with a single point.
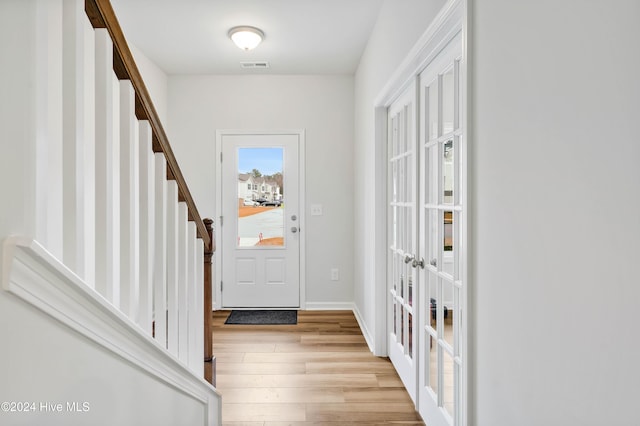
(363, 356)
(243, 347)
(229, 381)
(317, 372)
(389, 381)
(361, 412)
(353, 367)
(283, 395)
(380, 395)
(329, 347)
(261, 368)
(331, 338)
(263, 412)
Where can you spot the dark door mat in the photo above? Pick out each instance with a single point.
(263, 317)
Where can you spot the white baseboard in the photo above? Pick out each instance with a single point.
(329, 306)
(363, 327)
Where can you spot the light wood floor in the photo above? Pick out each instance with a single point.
(318, 372)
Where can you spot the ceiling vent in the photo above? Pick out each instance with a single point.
(254, 65)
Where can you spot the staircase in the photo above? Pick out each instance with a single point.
(105, 261)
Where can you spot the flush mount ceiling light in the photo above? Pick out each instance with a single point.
(246, 38)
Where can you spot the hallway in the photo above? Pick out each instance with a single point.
(319, 371)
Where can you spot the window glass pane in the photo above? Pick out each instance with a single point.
(433, 298)
(260, 211)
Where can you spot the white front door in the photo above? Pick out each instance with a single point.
(425, 262)
(260, 221)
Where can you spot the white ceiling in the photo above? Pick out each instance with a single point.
(301, 36)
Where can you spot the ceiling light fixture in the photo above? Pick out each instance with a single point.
(246, 38)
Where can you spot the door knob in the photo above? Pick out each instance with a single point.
(294, 229)
(408, 258)
(433, 262)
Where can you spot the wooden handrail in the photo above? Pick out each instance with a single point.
(209, 359)
(101, 15)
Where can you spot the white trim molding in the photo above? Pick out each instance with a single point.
(31, 273)
(368, 337)
(329, 306)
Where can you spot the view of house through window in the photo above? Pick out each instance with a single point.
(260, 197)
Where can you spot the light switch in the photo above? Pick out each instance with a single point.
(316, 209)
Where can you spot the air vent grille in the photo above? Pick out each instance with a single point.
(254, 65)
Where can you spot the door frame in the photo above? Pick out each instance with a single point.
(218, 254)
(450, 21)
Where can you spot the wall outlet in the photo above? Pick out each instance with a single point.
(335, 274)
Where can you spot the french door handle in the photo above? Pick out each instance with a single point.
(409, 258)
(433, 262)
(417, 263)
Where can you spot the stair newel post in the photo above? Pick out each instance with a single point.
(208, 283)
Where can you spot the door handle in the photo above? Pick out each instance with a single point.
(294, 229)
(408, 258)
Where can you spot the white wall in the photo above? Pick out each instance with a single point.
(323, 106)
(44, 361)
(555, 228)
(399, 26)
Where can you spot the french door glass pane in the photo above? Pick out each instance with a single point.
(433, 364)
(394, 136)
(455, 320)
(448, 101)
(259, 194)
(448, 374)
(431, 93)
(410, 336)
(448, 172)
(401, 324)
(447, 311)
(395, 319)
(432, 233)
(433, 297)
(431, 181)
(394, 182)
(410, 292)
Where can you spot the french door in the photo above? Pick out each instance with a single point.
(426, 239)
(403, 236)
